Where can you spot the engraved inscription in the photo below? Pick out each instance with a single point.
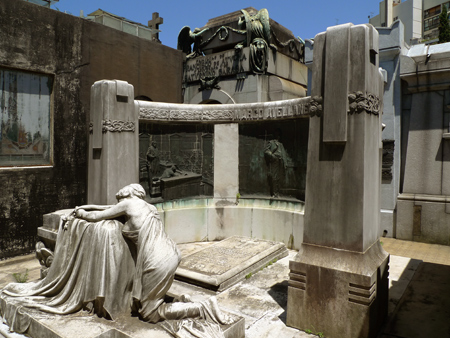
(225, 255)
(220, 64)
(237, 112)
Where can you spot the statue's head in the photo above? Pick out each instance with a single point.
(131, 190)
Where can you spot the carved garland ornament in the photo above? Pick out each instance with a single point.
(316, 106)
(115, 126)
(359, 102)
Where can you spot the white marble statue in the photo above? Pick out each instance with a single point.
(112, 268)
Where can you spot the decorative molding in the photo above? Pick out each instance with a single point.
(115, 126)
(362, 294)
(297, 280)
(279, 110)
(218, 115)
(359, 102)
(154, 114)
(316, 106)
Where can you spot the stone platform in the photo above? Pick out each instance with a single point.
(228, 262)
(82, 324)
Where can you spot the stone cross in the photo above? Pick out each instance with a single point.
(154, 24)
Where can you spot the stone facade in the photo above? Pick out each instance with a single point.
(75, 53)
(422, 206)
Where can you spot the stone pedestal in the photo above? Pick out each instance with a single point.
(338, 281)
(340, 293)
(113, 142)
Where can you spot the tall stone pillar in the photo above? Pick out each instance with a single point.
(339, 279)
(226, 161)
(113, 142)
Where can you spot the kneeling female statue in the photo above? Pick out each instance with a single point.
(112, 268)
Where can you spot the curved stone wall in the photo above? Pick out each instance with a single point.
(196, 220)
(209, 219)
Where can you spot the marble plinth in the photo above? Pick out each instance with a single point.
(82, 324)
(228, 262)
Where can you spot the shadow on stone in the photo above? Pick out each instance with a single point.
(279, 294)
(424, 308)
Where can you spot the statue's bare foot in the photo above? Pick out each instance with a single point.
(214, 313)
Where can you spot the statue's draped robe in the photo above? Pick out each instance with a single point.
(93, 268)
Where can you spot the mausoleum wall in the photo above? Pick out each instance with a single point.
(73, 53)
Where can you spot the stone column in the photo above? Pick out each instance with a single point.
(338, 282)
(113, 142)
(226, 161)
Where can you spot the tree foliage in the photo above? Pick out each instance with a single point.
(444, 26)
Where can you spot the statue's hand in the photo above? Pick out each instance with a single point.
(80, 213)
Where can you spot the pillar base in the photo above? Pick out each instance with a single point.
(339, 293)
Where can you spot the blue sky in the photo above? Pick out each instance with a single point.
(305, 18)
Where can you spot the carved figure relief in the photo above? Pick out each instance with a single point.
(178, 152)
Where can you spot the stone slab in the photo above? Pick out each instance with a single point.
(228, 262)
(82, 324)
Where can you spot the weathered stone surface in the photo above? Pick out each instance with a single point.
(43, 325)
(245, 112)
(340, 293)
(108, 169)
(76, 53)
(339, 279)
(226, 161)
(228, 262)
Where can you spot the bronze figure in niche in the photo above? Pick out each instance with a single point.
(152, 163)
(272, 159)
(276, 160)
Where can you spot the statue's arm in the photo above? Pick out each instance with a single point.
(113, 211)
(93, 207)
